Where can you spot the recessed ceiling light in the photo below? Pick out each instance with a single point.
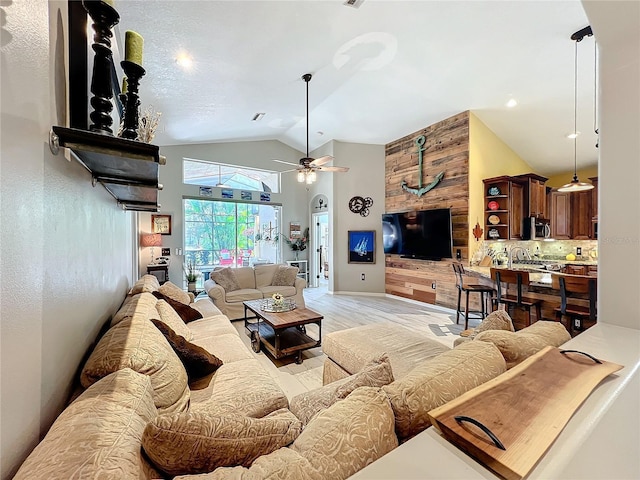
(573, 135)
(320, 132)
(511, 103)
(184, 60)
(258, 116)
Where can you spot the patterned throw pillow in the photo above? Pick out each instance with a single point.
(285, 276)
(186, 312)
(196, 360)
(169, 317)
(198, 442)
(226, 279)
(173, 291)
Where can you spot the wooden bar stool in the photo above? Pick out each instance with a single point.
(577, 313)
(471, 288)
(520, 279)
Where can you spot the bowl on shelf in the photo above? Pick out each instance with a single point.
(493, 205)
(494, 190)
(493, 233)
(494, 219)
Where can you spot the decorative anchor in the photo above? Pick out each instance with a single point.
(421, 190)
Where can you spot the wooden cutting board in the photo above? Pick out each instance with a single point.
(487, 261)
(526, 408)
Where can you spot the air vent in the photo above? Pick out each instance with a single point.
(353, 3)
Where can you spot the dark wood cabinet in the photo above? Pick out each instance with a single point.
(571, 215)
(504, 220)
(560, 208)
(160, 271)
(594, 208)
(535, 195)
(575, 269)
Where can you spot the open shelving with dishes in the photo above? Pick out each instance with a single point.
(503, 208)
(127, 169)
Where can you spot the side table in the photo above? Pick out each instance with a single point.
(160, 271)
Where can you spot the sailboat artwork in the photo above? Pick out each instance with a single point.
(362, 246)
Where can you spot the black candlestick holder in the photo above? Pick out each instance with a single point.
(134, 73)
(104, 18)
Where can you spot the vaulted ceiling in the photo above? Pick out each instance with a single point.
(380, 71)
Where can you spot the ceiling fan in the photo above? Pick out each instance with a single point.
(307, 166)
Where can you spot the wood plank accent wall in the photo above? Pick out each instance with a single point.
(446, 149)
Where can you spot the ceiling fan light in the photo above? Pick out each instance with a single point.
(301, 176)
(311, 176)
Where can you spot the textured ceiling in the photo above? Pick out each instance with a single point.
(380, 72)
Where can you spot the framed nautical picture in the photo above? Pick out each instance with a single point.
(362, 246)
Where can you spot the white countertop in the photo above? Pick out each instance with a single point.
(599, 442)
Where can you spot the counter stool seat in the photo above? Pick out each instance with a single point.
(468, 289)
(520, 279)
(577, 314)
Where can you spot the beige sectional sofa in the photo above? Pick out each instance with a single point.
(142, 413)
(254, 283)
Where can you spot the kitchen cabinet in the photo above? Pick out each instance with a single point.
(535, 195)
(571, 215)
(575, 269)
(594, 208)
(560, 208)
(504, 220)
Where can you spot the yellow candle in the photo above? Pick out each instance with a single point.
(133, 43)
(125, 85)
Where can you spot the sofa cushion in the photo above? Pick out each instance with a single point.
(269, 290)
(99, 434)
(375, 374)
(283, 464)
(349, 435)
(211, 327)
(239, 296)
(196, 360)
(185, 312)
(264, 274)
(197, 443)
(226, 278)
(170, 318)
(285, 276)
(242, 387)
(518, 346)
(354, 347)
(141, 305)
(137, 344)
(206, 307)
(173, 291)
(148, 283)
(439, 380)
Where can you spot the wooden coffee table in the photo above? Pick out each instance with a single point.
(281, 333)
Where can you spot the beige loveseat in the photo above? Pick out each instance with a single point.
(254, 283)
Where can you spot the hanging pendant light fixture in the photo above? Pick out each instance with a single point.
(576, 185)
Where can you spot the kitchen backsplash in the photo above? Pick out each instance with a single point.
(549, 250)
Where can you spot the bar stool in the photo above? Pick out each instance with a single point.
(467, 289)
(520, 279)
(576, 313)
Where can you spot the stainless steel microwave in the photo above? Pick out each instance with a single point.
(535, 228)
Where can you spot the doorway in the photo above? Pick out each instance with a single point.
(320, 256)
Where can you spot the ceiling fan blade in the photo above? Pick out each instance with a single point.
(286, 163)
(333, 169)
(321, 161)
(291, 170)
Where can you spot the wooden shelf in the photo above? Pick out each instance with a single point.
(127, 169)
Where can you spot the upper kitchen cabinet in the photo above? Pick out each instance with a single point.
(504, 200)
(572, 215)
(535, 195)
(594, 208)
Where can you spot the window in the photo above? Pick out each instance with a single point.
(209, 174)
(219, 233)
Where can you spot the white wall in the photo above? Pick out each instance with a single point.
(65, 247)
(365, 179)
(616, 26)
(259, 154)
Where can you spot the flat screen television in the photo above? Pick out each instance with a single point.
(423, 234)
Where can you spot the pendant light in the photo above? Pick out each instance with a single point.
(576, 185)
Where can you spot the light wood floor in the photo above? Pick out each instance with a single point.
(347, 311)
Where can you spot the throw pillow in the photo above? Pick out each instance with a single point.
(169, 317)
(306, 405)
(226, 279)
(285, 276)
(197, 442)
(196, 360)
(186, 312)
(171, 290)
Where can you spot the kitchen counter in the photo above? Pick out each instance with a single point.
(536, 276)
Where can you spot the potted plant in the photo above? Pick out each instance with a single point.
(298, 244)
(191, 274)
